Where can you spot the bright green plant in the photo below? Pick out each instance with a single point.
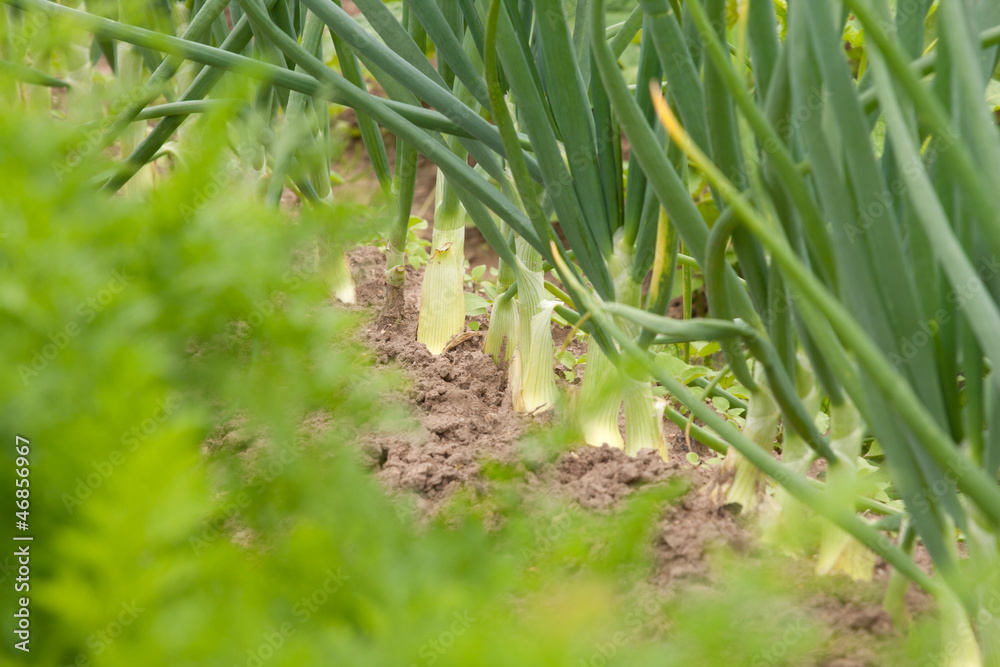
(193, 401)
(857, 193)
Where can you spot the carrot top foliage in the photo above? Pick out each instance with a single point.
(827, 172)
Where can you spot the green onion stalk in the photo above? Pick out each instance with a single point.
(603, 388)
(252, 141)
(958, 634)
(402, 191)
(531, 377)
(331, 258)
(37, 98)
(600, 399)
(894, 600)
(442, 295)
(971, 637)
(532, 382)
(130, 66)
(80, 76)
(606, 387)
(395, 261)
(306, 137)
(739, 480)
(984, 548)
(687, 309)
(988, 625)
(838, 551)
(983, 567)
(335, 269)
(337, 274)
(318, 164)
(501, 337)
(786, 520)
(395, 247)
(184, 17)
(185, 74)
(643, 422)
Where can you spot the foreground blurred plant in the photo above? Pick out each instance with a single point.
(861, 223)
(193, 402)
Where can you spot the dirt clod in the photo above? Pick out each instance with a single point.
(598, 477)
(458, 398)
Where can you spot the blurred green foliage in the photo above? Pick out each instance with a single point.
(193, 403)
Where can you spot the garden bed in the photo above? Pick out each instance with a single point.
(466, 428)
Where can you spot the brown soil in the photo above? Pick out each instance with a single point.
(463, 407)
(466, 421)
(458, 396)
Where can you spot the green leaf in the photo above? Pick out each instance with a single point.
(475, 305)
(737, 390)
(680, 370)
(672, 364)
(875, 449)
(993, 94)
(703, 348)
(822, 422)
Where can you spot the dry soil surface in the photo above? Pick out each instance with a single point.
(465, 420)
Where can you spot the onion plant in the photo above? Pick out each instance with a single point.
(851, 272)
(442, 300)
